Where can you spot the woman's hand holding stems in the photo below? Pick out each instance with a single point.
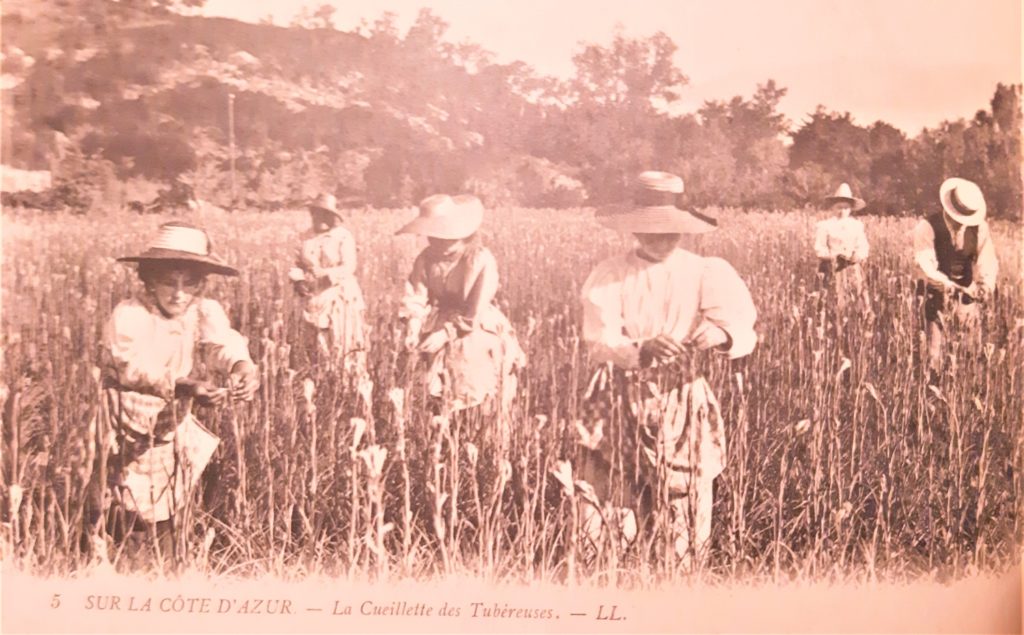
(664, 348)
(243, 382)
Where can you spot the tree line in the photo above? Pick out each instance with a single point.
(610, 120)
(385, 117)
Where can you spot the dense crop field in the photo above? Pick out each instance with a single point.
(842, 462)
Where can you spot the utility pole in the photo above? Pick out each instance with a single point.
(231, 145)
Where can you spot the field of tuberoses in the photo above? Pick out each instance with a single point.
(842, 463)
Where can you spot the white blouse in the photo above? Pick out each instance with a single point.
(331, 253)
(145, 353)
(627, 300)
(151, 352)
(844, 237)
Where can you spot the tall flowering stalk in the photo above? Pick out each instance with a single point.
(882, 472)
(562, 472)
(358, 427)
(310, 421)
(436, 488)
(373, 459)
(397, 398)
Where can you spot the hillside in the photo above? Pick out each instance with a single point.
(121, 101)
(149, 94)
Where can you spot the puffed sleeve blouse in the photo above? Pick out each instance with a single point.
(627, 300)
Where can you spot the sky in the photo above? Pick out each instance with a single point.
(912, 63)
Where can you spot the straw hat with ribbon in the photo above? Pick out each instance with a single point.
(845, 195)
(963, 201)
(448, 217)
(181, 242)
(655, 209)
(327, 203)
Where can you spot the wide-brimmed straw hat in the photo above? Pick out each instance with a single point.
(327, 203)
(845, 195)
(655, 209)
(963, 201)
(448, 217)
(181, 242)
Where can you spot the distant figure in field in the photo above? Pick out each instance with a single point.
(648, 315)
(324, 276)
(148, 355)
(841, 246)
(451, 319)
(956, 259)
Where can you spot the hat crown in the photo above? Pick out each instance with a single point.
(967, 198)
(844, 194)
(445, 206)
(656, 208)
(660, 182)
(181, 241)
(843, 191)
(447, 217)
(182, 237)
(962, 201)
(437, 205)
(326, 201)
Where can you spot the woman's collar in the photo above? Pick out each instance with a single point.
(455, 255)
(636, 256)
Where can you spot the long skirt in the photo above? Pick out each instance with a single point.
(653, 440)
(476, 367)
(335, 328)
(156, 477)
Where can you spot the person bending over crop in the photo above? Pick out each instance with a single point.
(466, 350)
(448, 307)
(149, 351)
(647, 315)
(956, 261)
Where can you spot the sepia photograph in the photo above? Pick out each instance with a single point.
(573, 316)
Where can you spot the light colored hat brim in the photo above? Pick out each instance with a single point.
(945, 195)
(857, 203)
(664, 219)
(321, 208)
(448, 228)
(212, 263)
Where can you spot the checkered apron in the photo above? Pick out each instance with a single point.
(158, 461)
(649, 430)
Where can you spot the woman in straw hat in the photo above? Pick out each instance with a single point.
(956, 261)
(842, 246)
(449, 308)
(149, 353)
(324, 275)
(647, 315)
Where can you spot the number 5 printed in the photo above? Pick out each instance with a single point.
(55, 601)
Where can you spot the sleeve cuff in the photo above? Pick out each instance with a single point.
(462, 325)
(743, 342)
(622, 355)
(235, 350)
(451, 331)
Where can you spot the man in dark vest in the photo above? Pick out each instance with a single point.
(957, 260)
